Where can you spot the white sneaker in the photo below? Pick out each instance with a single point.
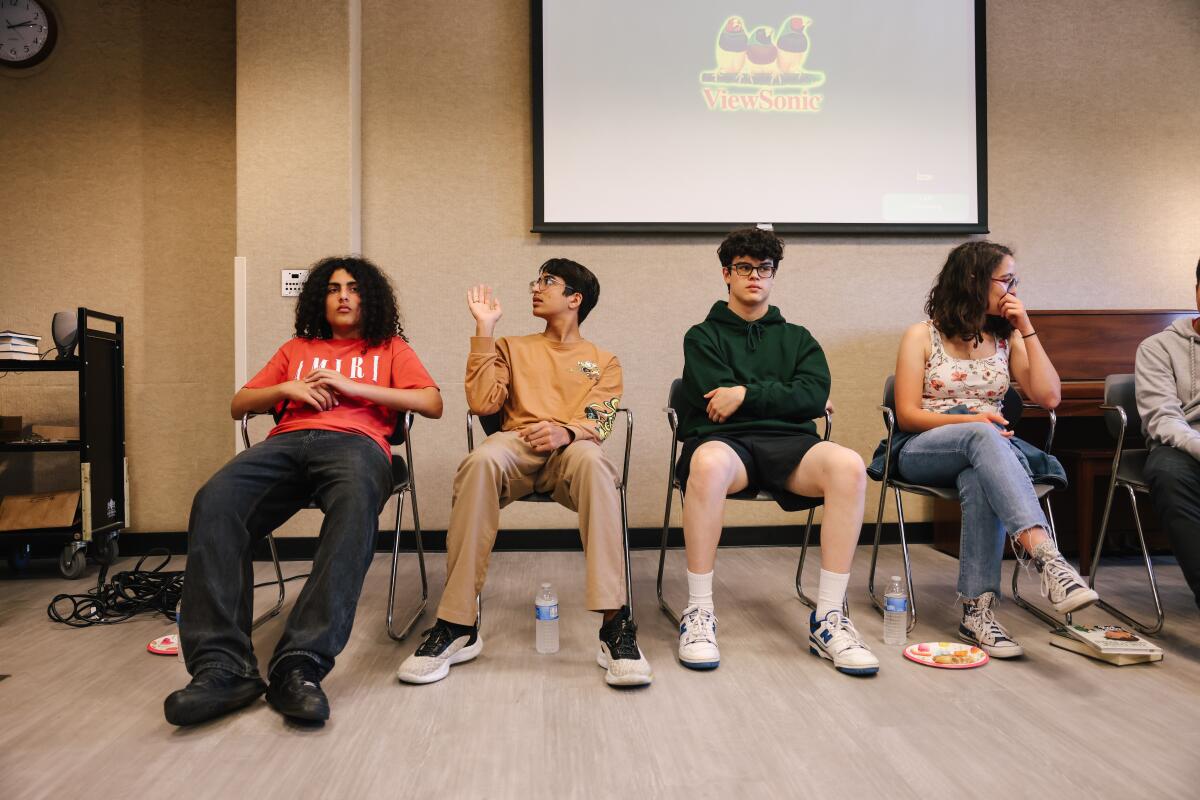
(980, 628)
(836, 639)
(698, 639)
(619, 653)
(1062, 583)
(441, 648)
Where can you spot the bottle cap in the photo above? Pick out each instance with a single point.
(545, 586)
(896, 578)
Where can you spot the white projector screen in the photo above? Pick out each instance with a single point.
(856, 116)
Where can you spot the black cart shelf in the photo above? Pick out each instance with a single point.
(103, 467)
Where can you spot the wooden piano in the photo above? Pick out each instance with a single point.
(1085, 346)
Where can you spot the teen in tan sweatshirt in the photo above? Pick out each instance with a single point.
(557, 394)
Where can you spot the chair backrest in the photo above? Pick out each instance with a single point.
(675, 393)
(1012, 408)
(1119, 391)
(491, 423)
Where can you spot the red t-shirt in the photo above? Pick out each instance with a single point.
(393, 365)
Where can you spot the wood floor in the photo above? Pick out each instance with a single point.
(81, 714)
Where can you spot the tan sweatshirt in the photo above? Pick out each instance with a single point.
(531, 378)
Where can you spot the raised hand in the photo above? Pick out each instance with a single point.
(484, 307)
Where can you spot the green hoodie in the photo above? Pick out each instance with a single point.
(781, 365)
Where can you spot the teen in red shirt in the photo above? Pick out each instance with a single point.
(337, 390)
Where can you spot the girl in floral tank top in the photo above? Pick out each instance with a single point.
(976, 384)
(952, 433)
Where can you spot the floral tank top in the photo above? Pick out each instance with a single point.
(979, 384)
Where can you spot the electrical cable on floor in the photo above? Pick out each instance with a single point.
(132, 592)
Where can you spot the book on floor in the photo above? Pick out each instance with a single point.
(1110, 643)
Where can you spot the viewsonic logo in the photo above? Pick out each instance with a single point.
(763, 69)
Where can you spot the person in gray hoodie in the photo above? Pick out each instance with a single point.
(1167, 381)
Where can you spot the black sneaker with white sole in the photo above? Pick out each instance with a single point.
(1061, 582)
(980, 628)
(619, 652)
(445, 644)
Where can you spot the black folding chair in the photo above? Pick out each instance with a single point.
(402, 482)
(493, 423)
(673, 486)
(1012, 408)
(1128, 471)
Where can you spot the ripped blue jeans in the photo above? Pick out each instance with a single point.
(994, 485)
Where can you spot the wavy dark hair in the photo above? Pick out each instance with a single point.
(380, 317)
(753, 242)
(958, 301)
(579, 280)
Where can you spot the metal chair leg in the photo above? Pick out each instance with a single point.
(912, 598)
(662, 557)
(875, 547)
(625, 543)
(1021, 602)
(392, 633)
(273, 610)
(808, 601)
(1158, 609)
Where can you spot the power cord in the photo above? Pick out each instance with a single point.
(132, 592)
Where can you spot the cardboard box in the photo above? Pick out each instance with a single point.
(53, 510)
(56, 433)
(10, 429)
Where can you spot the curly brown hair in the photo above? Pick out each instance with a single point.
(380, 317)
(958, 301)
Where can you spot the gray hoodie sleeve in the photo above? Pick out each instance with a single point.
(1158, 400)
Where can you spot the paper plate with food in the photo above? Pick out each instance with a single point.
(946, 655)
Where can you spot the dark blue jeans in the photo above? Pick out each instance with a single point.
(256, 492)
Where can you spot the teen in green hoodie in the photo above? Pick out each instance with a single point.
(752, 384)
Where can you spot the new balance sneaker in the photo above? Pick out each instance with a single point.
(835, 638)
(620, 654)
(698, 639)
(1060, 582)
(444, 645)
(980, 628)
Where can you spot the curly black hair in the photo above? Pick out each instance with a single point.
(380, 317)
(753, 242)
(958, 301)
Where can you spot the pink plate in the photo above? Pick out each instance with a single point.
(940, 654)
(165, 645)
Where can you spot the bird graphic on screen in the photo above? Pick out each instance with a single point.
(792, 41)
(731, 47)
(760, 56)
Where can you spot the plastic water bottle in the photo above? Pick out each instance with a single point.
(546, 606)
(895, 612)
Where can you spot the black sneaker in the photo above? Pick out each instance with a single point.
(211, 693)
(295, 691)
(445, 644)
(1061, 582)
(620, 654)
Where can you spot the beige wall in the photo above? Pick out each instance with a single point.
(129, 205)
(1094, 166)
(118, 175)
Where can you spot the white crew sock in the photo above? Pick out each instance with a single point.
(831, 592)
(700, 590)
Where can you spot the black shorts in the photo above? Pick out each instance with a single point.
(769, 459)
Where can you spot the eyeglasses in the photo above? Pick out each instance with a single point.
(1009, 284)
(765, 270)
(546, 282)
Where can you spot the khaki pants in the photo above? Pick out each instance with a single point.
(503, 469)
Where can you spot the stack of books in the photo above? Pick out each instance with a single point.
(1107, 643)
(19, 346)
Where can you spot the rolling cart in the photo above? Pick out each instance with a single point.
(103, 468)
